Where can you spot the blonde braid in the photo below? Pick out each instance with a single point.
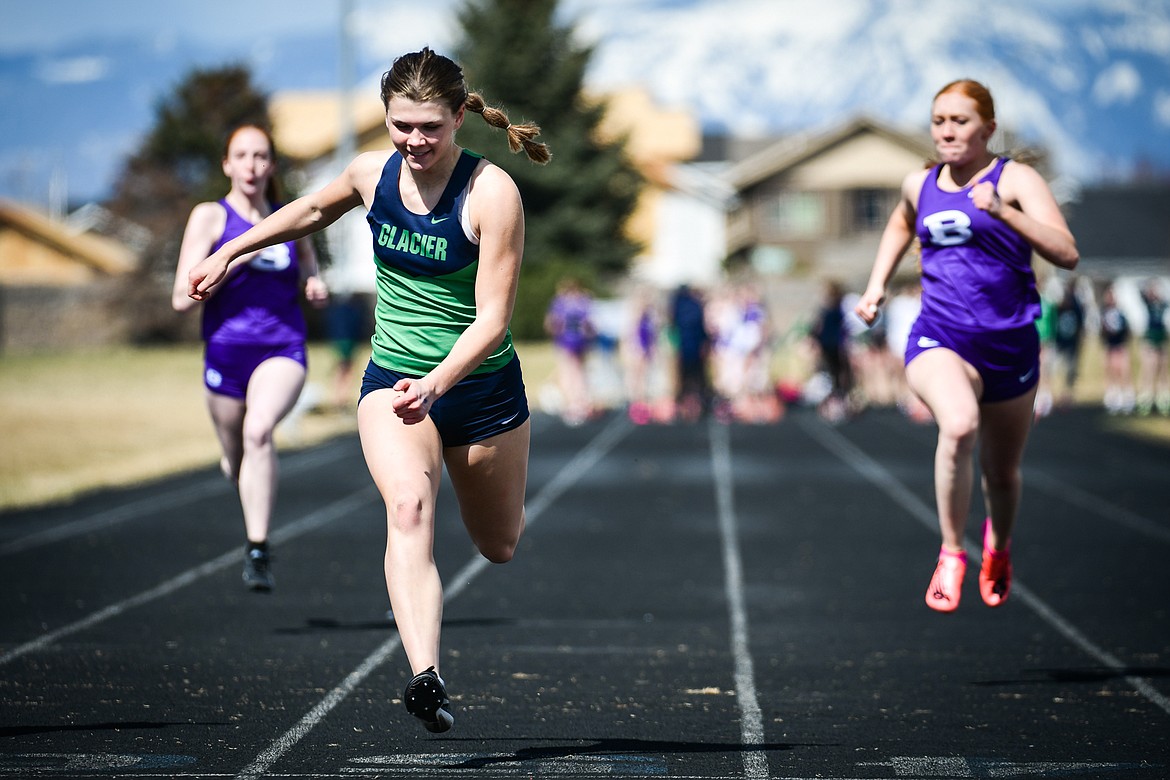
(519, 136)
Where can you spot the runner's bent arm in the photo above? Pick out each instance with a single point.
(1026, 205)
(896, 238)
(499, 217)
(303, 216)
(204, 226)
(316, 291)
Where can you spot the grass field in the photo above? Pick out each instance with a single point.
(78, 421)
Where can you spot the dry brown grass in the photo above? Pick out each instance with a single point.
(77, 421)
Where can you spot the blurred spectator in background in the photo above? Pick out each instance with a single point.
(900, 313)
(349, 325)
(758, 402)
(723, 316)
(744, 356)
(876, 368)
(1046, 329)
(640, 353)
(1115, 339)
(1068, 333)
(738, 322)
(692, 348)
(829, 334)
(569, 323)
(1153, 382)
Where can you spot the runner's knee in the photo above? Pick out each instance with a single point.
(497, 551)
(406, 512)
(959, 430)
(498, 547)
(1001, 479)
(256, 435)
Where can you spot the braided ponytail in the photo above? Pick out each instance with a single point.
(519, 136)
(424, 76)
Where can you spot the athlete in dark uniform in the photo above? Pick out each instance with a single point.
(973, 354)
(427, 268)
(1115, 339)
(1153, 372)
(443, 386)
(254, 361)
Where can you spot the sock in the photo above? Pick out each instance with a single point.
(962, 556)
(261, 546)
(987, 549)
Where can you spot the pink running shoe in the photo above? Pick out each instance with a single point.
(946, 586)
(995, 575)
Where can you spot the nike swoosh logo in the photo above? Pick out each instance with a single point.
(508, 421)
(437, 221)
(1027, 376)
(927, 343)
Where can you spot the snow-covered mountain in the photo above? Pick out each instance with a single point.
(1088, 80)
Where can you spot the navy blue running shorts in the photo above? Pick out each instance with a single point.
(478, 407)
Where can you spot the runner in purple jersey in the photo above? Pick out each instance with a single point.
(569, 321)
(973, 354)
(254, 361)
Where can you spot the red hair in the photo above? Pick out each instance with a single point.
(984, 105)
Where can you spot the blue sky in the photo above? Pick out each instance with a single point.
(45, 25)
(81, 79)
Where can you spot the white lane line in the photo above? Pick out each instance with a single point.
(755, 763)
(961, 766)
(564, 479)
(481, 765)
(880, 477)
(158, 503)
(292, 530)
(1071, 494)
(155, 504)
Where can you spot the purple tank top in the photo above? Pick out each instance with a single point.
(570, 314)
(976, 271)
(647, 332)
(259, 302)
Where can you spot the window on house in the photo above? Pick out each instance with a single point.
(870, 209)
(800, 214)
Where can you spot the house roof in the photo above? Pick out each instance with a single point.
(654, 135)
(98, 253)
(306, 124)
(790, 152)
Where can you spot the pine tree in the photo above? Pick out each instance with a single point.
(521, 60)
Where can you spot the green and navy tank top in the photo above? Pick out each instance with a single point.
(426, 268)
